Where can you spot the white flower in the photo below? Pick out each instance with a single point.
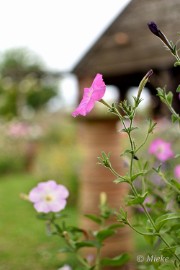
(65, 267)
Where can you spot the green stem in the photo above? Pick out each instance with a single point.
(132, 148)
(144, 142)
(172, 110)
(168, 183)
(142, 233)
(116, 173)
(149, 217)
(98, 265)
(82, 261)
(105, 103)
(176, 56)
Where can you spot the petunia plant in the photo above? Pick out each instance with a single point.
(153, 180)
(49, 199)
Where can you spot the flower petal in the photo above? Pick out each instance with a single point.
(49, 197)
(90, 96)
(161, 149)
(99, 88)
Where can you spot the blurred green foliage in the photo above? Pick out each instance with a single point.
(42, 147)
(25, 85)
(58, 156)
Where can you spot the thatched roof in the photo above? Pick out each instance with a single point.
(128, 45)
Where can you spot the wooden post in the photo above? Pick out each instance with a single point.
(97, 134)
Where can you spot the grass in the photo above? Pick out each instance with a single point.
(24, 243)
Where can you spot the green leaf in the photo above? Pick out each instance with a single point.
(137, 200)
(115, 226)
(150, 239)
(129, 129)
(88, 243)
(122, 216)
(169, 97)
(103, 234)
(65, 250)
(158, 169)
(166, 266)
(127, 151)
(175, 183)
(178, 249)
(92, 268)
(151, 126)
(174, 118)
(123, 179)
(160, 221)
(177, 264)
(104, 159)
(116, 261)
(168, 252)
(138, 174)
(75, 229)
(94, 218)
(161, 93)
(178, 89)
(176, 64)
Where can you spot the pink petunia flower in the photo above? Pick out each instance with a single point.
(161, 149)
(177, 172)
(90, 96)
(49, 197)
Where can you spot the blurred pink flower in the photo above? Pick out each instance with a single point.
(161, 149)
(177, 172)
(49, 197)
(17, 130)
(90, 96)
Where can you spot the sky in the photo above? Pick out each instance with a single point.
(58, 31)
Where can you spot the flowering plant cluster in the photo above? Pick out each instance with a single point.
(158, 201)
(22, 130)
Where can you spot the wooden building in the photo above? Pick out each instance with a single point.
(127, 49)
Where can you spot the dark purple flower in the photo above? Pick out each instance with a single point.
(156, 31)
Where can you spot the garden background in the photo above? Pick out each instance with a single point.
(40, 141)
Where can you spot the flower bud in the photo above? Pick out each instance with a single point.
(103, 198)
(154, 29)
